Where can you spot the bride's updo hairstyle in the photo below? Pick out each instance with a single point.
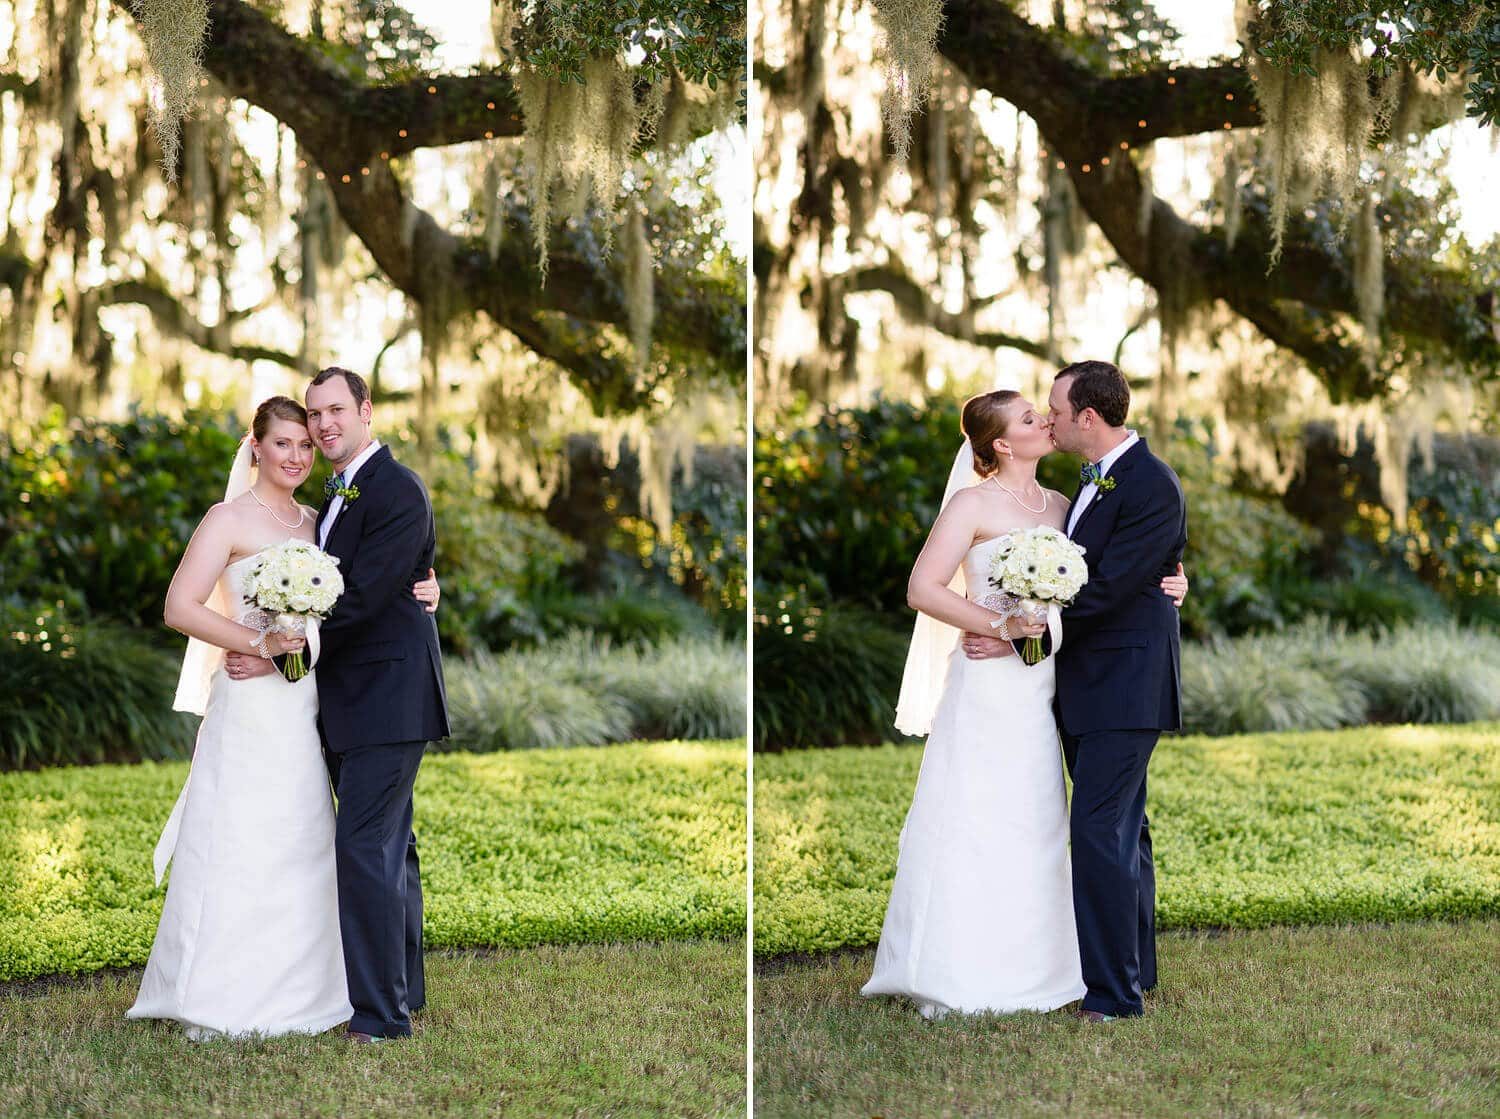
(276, 408)
(984, 421)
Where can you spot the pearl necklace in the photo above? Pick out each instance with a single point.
(301, 512)
(1016, 498)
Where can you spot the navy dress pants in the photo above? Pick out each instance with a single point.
(380, 886)
(1114, 879)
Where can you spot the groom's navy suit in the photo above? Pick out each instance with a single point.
(1117, 690)
(380, 701)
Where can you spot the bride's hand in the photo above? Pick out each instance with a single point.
(279, 643)
(1176, 587)
(1019, 628)
(428, 591)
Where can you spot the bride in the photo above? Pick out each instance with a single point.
(981, 911)
(248, 942)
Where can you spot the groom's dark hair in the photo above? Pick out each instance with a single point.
(1098, 385)
(357, 387)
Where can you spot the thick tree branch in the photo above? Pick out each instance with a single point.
(915, 305)
(173, 318)
(346, 128)
(1083, 115)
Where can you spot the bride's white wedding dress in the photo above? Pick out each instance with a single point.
(248, 943)
(981, 911)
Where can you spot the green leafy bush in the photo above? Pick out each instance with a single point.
(97, 514)
(1388, 824)
(842, 506)
(824, 675)
(625, 616)
(585, 691)
(642, 842)
(84, 693)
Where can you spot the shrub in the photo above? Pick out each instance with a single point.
(1251, 685)
(98, 513)
(1318, 676)
(824, 676)
(84, 693)
(688, 688)
(518, 701)
(583, 691)
(626, 616)
(642, 842)
(1399, 823)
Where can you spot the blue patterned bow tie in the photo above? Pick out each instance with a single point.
(1090, 473)
(332, 483)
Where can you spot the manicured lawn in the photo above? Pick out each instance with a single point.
(623, 843)
(1335, 1021)
(645, 1029)
(1363, 824)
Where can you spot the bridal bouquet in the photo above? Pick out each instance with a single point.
(291, 583)
(1038, 566)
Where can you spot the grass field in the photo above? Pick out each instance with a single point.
(587, 1030)
(1363, 824)
(624, 843)
(1338, 1021)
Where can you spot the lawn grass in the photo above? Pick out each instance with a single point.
(1363, 824)
(623, 843)
(1332, 1021)
(654, 1029)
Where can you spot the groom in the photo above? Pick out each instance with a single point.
(380, 700)
(1117, 678)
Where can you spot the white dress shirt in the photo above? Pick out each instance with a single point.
(338, 501)
(1086, 494)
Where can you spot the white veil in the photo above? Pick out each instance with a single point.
(932, 641)
(202, 659)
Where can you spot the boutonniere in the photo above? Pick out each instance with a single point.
(1105, 484)
(350, 494)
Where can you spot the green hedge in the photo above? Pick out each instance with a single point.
(641, 842)
(1394, 823)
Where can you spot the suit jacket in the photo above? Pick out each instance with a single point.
(1120, 663)
(380, 670)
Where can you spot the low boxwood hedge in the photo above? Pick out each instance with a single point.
(1366, 824)
(641, 841)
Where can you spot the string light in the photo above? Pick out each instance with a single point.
(489, 135)
(1229, 97)
(1086, 168)
(364, 170)
(1227, 124)
(489, 105)
(1104, 162)
(1140, 124)
(432, 89)
(1171, 81)
(346, 178)
(402, 134)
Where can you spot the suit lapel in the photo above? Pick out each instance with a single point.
(368, 476)
(1119, 471)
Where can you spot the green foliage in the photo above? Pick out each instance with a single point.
(824, 675)
(583, 691)
(1244, 549)
(74, 693)
(97, 514)
(519, 701)
(622, 617)
(1442, 39)
(641, 842)
(843, 505)
(702, 40)
(1401, 823)
(705, 552)
(494, 565)
(1320, 677)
